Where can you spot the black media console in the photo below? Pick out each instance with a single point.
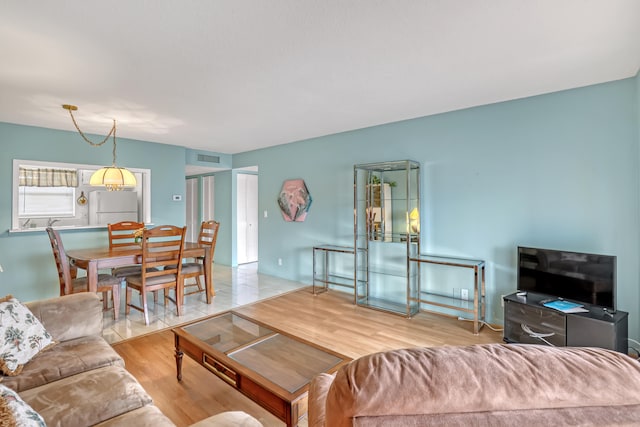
(527, 321)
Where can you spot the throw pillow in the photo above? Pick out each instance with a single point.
(16, 412)
(22, 336)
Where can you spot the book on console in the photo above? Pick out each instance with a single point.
(566, 306)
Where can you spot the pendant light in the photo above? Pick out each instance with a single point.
(112, 177)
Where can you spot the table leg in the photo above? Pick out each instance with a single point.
(208, 281)
(179, 354)
(92, 276)
(476, 279)
(482, 292)
(326, 271)
(313, 278)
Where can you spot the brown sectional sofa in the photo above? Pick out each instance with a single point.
(81, 380)
(480, 385)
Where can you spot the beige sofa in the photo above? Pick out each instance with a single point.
(480, 385)
(81, 380)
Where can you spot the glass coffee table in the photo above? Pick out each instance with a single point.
(269, 366)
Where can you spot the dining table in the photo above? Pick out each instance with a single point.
(94, 259)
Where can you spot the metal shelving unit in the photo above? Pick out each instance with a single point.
(387, 235)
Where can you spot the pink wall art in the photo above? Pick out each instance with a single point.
(294, 200)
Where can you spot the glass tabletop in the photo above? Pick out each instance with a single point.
(286, 361)
(227, 332)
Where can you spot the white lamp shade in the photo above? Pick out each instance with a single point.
(113, 177)
(414, 220)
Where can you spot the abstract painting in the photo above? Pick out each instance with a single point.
(294, 200)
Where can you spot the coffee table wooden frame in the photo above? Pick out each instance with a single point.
(288, 406)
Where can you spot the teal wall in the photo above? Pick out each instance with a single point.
(553, 171)
(29, 269)
(225, 209)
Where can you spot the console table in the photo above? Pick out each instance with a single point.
(454, 302)
(323, 275)
(528, 321)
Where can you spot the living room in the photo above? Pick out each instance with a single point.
(558, 169)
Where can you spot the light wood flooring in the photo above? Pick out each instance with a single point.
(329, 320)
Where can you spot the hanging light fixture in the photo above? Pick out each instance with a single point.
(111, 177)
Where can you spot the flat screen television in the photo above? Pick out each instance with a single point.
(576, 276)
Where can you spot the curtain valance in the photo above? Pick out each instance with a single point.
(48, 177)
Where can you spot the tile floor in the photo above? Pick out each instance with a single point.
(234, 286)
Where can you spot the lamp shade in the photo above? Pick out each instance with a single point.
(414, 220)
(113, 177)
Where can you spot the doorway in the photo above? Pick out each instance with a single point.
(200, 204)
(247, 218)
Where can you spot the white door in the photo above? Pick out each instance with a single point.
(247, 218)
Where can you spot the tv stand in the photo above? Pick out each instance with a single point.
(527, 321)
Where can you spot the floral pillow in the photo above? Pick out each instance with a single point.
(22, 336)
(15, 412)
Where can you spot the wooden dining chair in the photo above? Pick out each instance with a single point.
(162, 248)
(70, 284)
(122, 235)
(208, 236)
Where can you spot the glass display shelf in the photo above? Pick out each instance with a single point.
(447, 301)
(390, 237)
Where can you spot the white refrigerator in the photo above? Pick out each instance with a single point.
(107, 207)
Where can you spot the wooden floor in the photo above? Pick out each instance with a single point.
(329, 320)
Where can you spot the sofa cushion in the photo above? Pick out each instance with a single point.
(146, 416)
(70, 316)
(63, 360)
(15, 412)
(482, 378)
(22, 336)
(229, 419)
(88, 398)
(600, 416)
(319, 389)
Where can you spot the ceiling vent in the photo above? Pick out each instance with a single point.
(208, 159)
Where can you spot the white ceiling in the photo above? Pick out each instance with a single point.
(236, 75)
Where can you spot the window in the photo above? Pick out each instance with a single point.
(45, 193)
(38, 202)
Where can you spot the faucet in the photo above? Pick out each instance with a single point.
(51, 222)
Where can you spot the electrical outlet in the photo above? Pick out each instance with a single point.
(1, 270)
(280, 261)
(464, 294)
